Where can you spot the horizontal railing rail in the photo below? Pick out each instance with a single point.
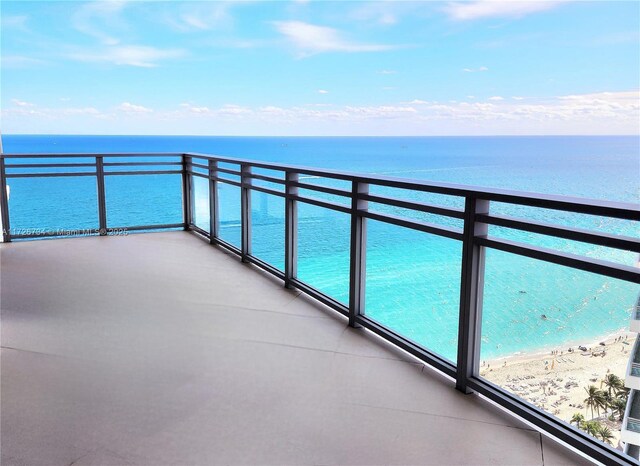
(465, 217)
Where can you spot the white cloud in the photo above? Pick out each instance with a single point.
(309, 39)
(595, 113)
(515, 97)
(496, 98)
(188, 109)
(193, 21)
(387, 18)
(384, 13)
(129, 55)
(21, 103)
(200, 16)
(599, 110)
(81, 111)
(99, 19)
(382, 111)
(130, 108)
(475, 70)
(233, 110)
(376, 12)
(30, 110)
(387, 72)
(322, 91)
(471, 10)
(196, 109)
(93, 17)
(610, 104)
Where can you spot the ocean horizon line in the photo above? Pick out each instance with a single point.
(330, 136)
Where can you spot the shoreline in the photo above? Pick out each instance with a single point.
(546, 350)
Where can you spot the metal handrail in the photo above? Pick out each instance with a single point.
(613, 209)
(475, 217)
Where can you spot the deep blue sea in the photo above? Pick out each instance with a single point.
(413, 278)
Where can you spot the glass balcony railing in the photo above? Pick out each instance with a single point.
(491, 287)
(633, 424)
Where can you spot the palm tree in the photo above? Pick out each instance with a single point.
(595, 399)
(591, 427)
(618, 406)
(606, 401)
(578, 419)
(604, 433)
(613, 383)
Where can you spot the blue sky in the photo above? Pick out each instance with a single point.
(320, 68)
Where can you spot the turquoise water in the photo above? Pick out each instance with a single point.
(413, 278)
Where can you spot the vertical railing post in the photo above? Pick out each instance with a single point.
(471, 287)
(102, 197)
(245, 207)
(291, 229)
(357, 274)
(186, 192)
(4, 204)
(214, 220)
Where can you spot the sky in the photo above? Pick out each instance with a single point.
(320, 68)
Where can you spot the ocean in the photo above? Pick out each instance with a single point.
(413, 278)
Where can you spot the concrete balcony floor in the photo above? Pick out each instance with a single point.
(158, 349)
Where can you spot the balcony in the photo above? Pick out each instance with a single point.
(633, 369)
(632, 451)
(631, 423)
(635, 317)
(163, 348)
(158, 349)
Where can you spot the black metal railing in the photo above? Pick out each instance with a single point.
(288, 183)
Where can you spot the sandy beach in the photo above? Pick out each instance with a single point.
(556, 382)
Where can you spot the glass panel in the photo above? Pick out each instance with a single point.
(65, 161)
(200, 199)
(566, 245)
(312, 194)
(558, 338)
(267, 235)
(323, 250)
(329, 182)
(139, 200)
(596, 223)
(442, 200)
(413, 285)
(38, 205)
(438, 200)
(410, 214)
(230, 214)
